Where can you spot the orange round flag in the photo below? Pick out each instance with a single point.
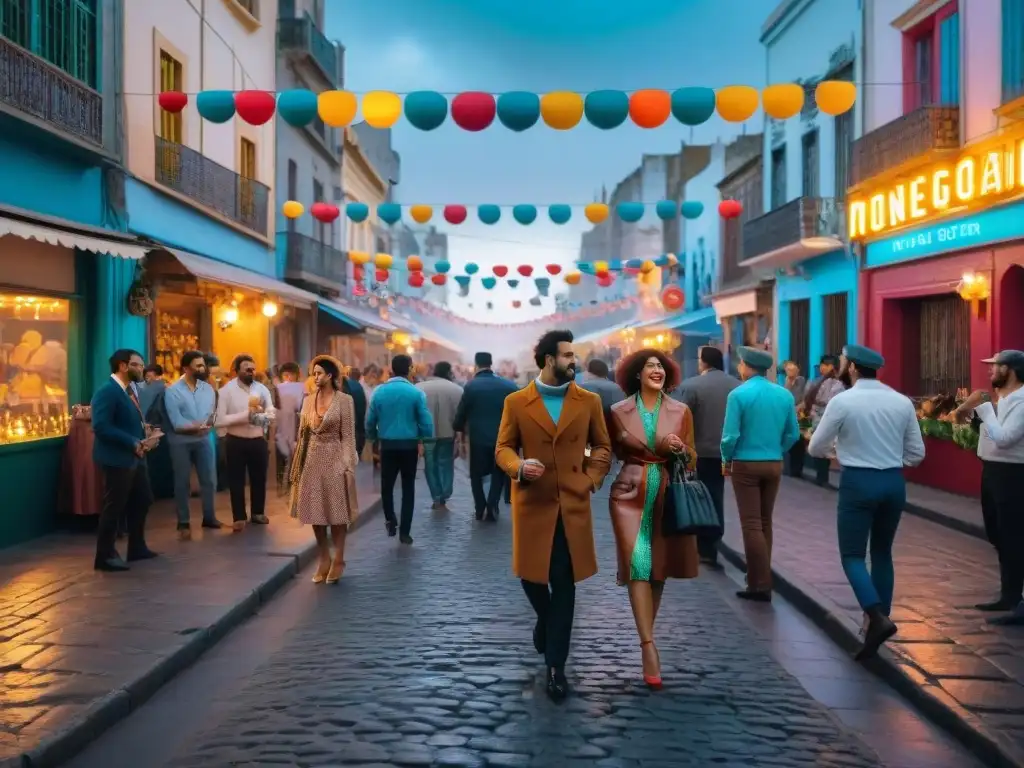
(650, 108)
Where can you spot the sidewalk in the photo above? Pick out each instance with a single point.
(963, 672)
(79, 650)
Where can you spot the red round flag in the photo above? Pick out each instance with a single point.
(473, 110)
(416, 279)
(730, 209)
(455, 214)
(500, 270)
(172, 101)
(255, 107)
(437, 279)
(325, 212)
(525, 270)
(672, 298)
(553, 269)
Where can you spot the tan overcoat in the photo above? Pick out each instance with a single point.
(566, 485)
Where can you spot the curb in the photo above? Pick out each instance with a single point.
(898, 671)
(117, 705)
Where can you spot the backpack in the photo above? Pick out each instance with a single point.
(156, 414)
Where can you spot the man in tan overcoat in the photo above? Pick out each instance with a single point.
(550, 422)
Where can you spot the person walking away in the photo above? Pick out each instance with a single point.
(244, 411)
(816, 397)
(323, 473)
(158, 460)
(760, 426)
(478, 418)
(876, 434)
(191, 404)
(399, 419)
(443, 398)
(551, 421)
(121, 441)
(706, 395)
(796, 385)
(1002, 442)
(596, 379)
(290, 393)
(649, 431)
(357, 392)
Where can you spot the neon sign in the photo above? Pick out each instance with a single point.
(991, 174)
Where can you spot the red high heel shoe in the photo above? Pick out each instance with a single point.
(651, 681)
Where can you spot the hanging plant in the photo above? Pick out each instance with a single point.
(141, 296)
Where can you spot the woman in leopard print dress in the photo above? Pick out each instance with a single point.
(324, 466)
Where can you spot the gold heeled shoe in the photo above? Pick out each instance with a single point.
(334, 574)
(321, 573)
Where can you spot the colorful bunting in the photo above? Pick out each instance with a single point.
(255, 107)
(297, 107)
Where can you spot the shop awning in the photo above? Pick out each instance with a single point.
(357, 317)
(126, 249)
(219, 272)
(441, 341)
(635, 324)
(734, 304)
(702, 322)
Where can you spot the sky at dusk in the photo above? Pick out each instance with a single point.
(539, 45)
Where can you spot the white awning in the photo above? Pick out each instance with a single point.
(219, 272)
(735, 304)
(68, 239)
(358, 316)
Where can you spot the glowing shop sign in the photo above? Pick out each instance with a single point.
(990, 174)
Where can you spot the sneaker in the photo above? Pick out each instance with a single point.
(261, 520)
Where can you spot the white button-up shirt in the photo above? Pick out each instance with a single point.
(873, 427)
(1002, 429)
(233, 409)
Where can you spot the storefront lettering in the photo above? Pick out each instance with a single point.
(950, 234)
(990, 175)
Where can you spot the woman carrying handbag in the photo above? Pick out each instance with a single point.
(648, 431)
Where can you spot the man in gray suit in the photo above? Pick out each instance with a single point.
(597, 380)
(706, 394)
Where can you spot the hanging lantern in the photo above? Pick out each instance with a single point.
(357, 212)
(605, 280)
(524, 214)
(255, 107)
(782, 101)
(692, 209)
(499, 270)
(647, 267)
(414, 264)
(561, 110)
(596, 212)
(666, 210)
(381, 275)
(297, 107)
(736, 103)
(630, 212)
(559, 214)
(513, 283)
(358, 273)
(381, 109)
(573, 278)
(553, 269)
(463, 282)
(834, 97)
(543, 285)
(426, 110)
(650, 108)
(172, 101)
(337, 108)
(730, 209)
(525, 270)
(324, 212)
(516, 304)
(488, 214)
(416, 279)
(292, 209)
(518, 110)
(693, 106)
(438, 279)
(455, 214)
(472, 269)
(672, 298)
(359, 257)
(421, 214)
(383, 261)
(489, 283)
(473, 110)
(216, 106)
(606, 109)
(442, 267)
(389, 213)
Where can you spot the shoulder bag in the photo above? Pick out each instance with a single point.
(688, 509)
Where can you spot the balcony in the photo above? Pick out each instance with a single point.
(32, 86)
(243, 201)
(301, 36)
(310, 261)
(919, 134)
(799, 230)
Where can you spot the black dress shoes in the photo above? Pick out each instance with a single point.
(215, 524)
(880, 628)
(479, 514)
(111, 564)
(1002, 604)
(491, 516)
(142, 554)
(754, 595)
(1015, 619)
(558, 686)
(392, 528)
(540, 637)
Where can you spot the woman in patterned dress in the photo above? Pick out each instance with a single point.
(324, 466)
(649, 429)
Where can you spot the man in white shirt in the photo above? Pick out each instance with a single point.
(875, 432)
(244, 412)
(1001, 448)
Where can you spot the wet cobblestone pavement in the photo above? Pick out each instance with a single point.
(422, 656)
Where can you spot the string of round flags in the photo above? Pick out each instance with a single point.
(516, 110)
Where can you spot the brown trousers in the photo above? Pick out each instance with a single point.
(756, 484)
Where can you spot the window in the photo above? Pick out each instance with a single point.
(252, 7)
(247, 170)
(778, 177)
(809, 163)
(318, 197)
(923, 71)
(293, 188)
(800, 333)
(1013, 50)
(931, 60)
(945, 345)
(171, 79)
(34, 372)
(949, 60)
(844, 142)
(835, 323)
(61, 31)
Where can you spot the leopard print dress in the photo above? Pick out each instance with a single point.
(325, 489)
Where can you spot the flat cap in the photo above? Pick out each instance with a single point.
(863, 356)
(756, 358)
(1011, 357)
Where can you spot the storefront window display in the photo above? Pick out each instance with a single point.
(33, 367)
(176, 330)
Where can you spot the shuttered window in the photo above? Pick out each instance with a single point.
(800, 333)
(945, 345)
(949, 60)
(1013, 49)
(835, 323)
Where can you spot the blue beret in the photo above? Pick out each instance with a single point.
(755, 358)
(859, 355)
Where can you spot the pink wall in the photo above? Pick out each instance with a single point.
(1008, 305)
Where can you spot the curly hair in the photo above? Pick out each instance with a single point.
(629, 368)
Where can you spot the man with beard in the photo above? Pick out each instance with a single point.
(119, 449)
(190, 404)
(875, 433)
(1001, 449)
(551, 421)
(817, 396)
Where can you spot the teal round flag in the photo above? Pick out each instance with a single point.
(666, 209)
(630, 212)
(389, 213)
(634, 263)
(559, 214)
(472, 269)
(615, 265)
(693, 106)
(216, 106)
(692, 209)
(426, 110)
(488, 214)
(525, 214)
(585, 267)
(518, 110)
(297, 107)
(661, 261)
(489, 282)
(358, 212)
(442, 267)
(513, 283)
(462, 280)
(606, 109)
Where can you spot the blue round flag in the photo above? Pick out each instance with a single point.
(489, 282)
(666, 209)
(634, 263)
(585, 267)
(426, 110)
(518, 110)
(513, 283)
(692, 209)
(661, 261)
(559, 214)
(630, 212)
(489, 214)
(297, 107)
(358, 212)
(606, 109)
(693, 106)
(525, 214)
(442, 267)
(216, 106)
(389, 213)
(472, 269)
(615, 265)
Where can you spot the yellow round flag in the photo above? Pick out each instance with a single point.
(381, 109)
(561, 110)
(647, 267)
(572, 278)
(336, 108)
(783, 101)
(292, 209)
(382, 261)
(421, 213)
(600, 266)
(596, 212)
(358, 257)
(834, 97)
(736, 103)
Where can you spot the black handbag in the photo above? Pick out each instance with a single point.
(688, 508)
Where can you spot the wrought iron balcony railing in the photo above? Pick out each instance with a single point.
(925, 130)
(37, 88)
(310, 261)
(804, 220)
(303, 36)
(244, 201)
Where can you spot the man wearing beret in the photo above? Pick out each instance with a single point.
(760, 427)
(875, 432)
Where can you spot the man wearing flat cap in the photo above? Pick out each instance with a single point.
(875, 432)
(760, 427)
(1001, 450)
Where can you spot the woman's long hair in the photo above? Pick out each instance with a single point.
(627, 373)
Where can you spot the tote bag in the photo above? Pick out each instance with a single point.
(688, 509)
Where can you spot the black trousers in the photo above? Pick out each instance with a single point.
(822, 471)
(127, 495)
(247, 455)
(796, 457)
(1002, 508)
(709, 472)
(555, 602)
(481, 465)
(395, 462)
